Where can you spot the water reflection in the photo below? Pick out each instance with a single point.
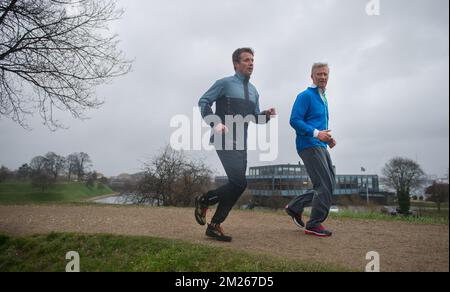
(128, 199)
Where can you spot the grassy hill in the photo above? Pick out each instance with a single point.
(13, 192)
(111, 253)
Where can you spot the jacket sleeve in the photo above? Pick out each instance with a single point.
(298, 115)
(207, 100)
(260, 117)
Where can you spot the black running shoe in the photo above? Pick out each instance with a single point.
(318, 231)
(200, 211)
(296, 218)
(214, 231)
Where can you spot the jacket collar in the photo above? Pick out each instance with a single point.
(313, 86)
(242, 77)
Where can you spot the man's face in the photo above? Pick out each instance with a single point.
(245, 66)
(320, 77)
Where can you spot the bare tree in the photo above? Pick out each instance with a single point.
(71, 161)
(195, 179)
(24, 172)
(40, 176)
(439, 194)
(161, 175)
(37, 164)
(42, 181)
(403, 175)
(54, 164)
(91, 179)
(4, 173)
(78, 163)
(60, 49)
(85, 163)
(172, 179)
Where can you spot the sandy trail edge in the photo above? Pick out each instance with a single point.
(402, 246)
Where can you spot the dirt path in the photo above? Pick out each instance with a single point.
(402, 246)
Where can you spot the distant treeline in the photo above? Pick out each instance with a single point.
(51, 167)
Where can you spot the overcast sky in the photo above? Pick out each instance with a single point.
(388, 90)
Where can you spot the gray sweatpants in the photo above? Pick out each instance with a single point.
(235, 165)
(320, 169)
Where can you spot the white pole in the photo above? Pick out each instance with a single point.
(363, 169)
(367, 191)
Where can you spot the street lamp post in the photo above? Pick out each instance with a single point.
(367, 194)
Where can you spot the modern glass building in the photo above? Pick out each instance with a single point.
(290, 180)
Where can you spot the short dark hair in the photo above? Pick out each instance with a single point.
(238, 52)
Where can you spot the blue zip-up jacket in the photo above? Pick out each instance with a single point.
(233, 95)
(310, 112)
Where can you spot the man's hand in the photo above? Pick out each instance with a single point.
(332, 143)
(325, 136)
(221, 129)
(271, 112)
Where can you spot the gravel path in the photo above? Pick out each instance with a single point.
(402, 246)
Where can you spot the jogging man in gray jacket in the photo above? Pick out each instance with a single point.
(234, 97)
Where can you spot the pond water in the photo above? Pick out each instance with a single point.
(123, 199)
(115, 200)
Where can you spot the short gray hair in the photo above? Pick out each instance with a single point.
(317, 66)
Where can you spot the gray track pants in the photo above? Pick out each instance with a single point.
(235, 165)
(320, 169)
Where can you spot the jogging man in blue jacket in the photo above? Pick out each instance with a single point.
(310, 119)
(235, 97)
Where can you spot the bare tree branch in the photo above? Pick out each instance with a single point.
(59, 49)
(172, 179)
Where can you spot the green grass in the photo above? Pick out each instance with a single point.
(108, 253)
(23, 193)
(428, 217)
(427, 204)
